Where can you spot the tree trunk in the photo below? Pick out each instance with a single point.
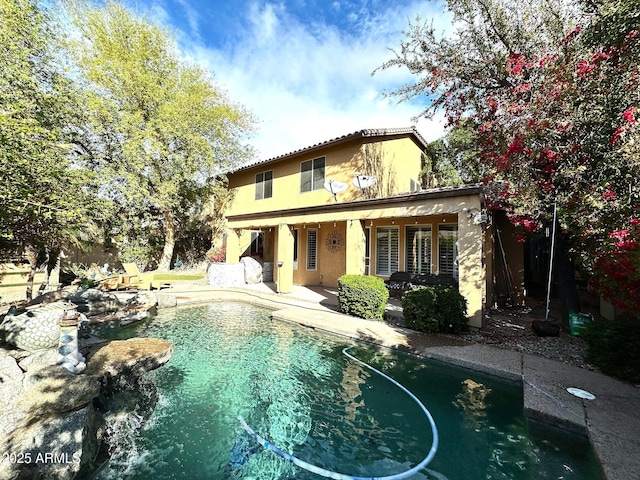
(565, 276)
(53, 260)
(32, 258)
(169, 242)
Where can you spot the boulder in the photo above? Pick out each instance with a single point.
(54, 389)
(11, 387)
(57, 446)
(136, 355)
(92, 301)
(226, 275)
(39, 360)
(252, 270)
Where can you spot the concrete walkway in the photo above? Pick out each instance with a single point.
(611, 421)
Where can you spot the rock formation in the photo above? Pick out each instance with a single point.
(55, 422)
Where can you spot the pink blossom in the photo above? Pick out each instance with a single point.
(609, 194)
(584, 68)
(629, 115)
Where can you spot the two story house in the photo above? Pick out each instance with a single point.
(310, 216)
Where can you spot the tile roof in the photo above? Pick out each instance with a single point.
(365, 133)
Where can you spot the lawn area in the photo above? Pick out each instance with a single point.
(178, 276)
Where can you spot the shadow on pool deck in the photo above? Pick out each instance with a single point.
(611, 421)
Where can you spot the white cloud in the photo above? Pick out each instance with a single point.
(308, 83)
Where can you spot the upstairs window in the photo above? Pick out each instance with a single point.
(264, 185)
(312, 175)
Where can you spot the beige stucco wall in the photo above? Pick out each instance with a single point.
(401, 156)
(334, 262)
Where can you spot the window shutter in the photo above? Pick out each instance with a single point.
(418, 249)
(387, 243)
(447, 250)
(312, 249)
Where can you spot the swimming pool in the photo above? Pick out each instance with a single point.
(296, 388)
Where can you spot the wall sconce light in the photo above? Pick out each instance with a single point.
(478, 217)
(334, 224)
(371, 223)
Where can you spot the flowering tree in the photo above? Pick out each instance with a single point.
(554, 102)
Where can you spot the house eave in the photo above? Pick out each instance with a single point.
(367, 204)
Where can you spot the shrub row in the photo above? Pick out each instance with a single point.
(362, 296)
(434, 309)
(613, 347)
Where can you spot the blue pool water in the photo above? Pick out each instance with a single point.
(296, 389)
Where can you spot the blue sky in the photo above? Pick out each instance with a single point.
(303, 67)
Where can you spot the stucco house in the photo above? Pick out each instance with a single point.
(284, 211)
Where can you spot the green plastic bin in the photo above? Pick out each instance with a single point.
(578, 322)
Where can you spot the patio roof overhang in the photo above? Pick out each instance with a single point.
(441, 201)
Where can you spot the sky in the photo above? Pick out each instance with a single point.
(303, 67)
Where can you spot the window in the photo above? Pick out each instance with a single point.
(448, 250)
(295, 248)
(418, 249)
(312, 249)
(264, 185)
(312, 175)
(367, 251)
(387, 244)
(257, 241)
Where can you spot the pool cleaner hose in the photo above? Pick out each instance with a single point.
(341, 476)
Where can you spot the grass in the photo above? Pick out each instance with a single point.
(178, 276)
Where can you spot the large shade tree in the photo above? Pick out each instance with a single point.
(160, 132)
(43, 195)
(551, 90)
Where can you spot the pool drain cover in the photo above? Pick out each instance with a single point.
(581, 393)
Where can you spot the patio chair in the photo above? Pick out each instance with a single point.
(142, 281)
(398, 283)
(429, 279)
(105, 282)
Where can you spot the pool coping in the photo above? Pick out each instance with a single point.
(611, 421)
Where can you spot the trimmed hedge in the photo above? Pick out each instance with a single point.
(362, 296)
(434, 309)
(613, 347)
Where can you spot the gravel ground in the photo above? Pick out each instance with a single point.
(511, 330)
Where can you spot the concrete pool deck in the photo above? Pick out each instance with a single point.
(611, 421)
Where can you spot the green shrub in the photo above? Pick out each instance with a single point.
(613, 347)
(434, 309)
(362, 296)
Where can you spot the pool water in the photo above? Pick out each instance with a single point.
(294, 387)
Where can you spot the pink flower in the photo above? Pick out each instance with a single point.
(619, 234)
(629, 115)
(609, 194)
(584, 68)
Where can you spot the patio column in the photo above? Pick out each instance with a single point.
(472, 279)
(355, 246)
(283, 264)
(232, 246)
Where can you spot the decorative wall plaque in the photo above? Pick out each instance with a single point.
(334, 242)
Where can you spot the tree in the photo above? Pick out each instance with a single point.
(161, 133)
(42, 194)
(451, 160)
(552, 93)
